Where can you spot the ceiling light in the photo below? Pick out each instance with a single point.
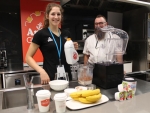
(137, 2)
(85, 25)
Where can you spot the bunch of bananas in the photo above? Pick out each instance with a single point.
(86, 96)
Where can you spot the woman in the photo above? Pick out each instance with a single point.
(50, 40)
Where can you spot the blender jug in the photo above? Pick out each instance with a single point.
(108, 70)
(113, 45)
(85, 74)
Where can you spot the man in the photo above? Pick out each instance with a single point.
(94, 48)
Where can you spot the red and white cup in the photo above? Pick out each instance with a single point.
(43, 98)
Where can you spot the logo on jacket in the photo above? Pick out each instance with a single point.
(49, 39)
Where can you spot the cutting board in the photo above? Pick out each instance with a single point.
(75, 105)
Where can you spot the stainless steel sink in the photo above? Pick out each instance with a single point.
(16, 97)
(22, 96)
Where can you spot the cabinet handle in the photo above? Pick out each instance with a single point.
(12, 75)
(18, 74)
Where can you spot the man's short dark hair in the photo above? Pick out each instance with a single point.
(98, 16)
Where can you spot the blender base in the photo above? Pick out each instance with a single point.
(108, 75)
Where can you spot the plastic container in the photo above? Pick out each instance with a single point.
(71, 54)
(60, 102)
(59, 77)
(69, 90)
(131, 83)
(85, 74)
(43, 98)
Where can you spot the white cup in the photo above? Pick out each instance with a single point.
(131, 83)
(60, 102)
(43, 98)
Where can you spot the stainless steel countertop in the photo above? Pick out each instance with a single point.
(139, 104)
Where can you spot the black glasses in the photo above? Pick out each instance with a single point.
(100, 23)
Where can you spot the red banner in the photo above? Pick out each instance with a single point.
(32, 18)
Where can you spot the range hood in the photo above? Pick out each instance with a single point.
(137, 2)
(62, 2)
(104, 5)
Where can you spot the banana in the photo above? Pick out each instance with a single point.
(83, 100)
(94, 98)
(96, 91)
(76, 94)
(86, 96)
(75, 98)
(87, 93)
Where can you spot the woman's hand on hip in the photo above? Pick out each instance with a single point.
(44, 77)
(75, 45)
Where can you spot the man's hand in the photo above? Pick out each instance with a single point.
(75, 45)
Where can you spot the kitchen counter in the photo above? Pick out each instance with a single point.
(139, 104)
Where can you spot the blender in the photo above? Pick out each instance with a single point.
(108, 69)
